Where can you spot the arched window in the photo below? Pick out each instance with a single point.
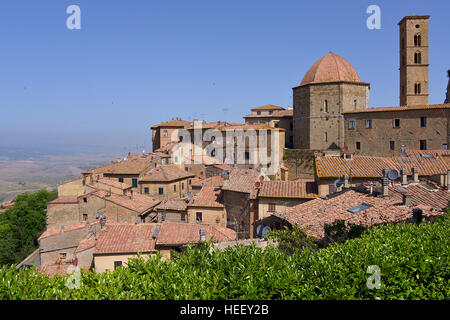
(417, 58)
(417, 88)
(417, 40)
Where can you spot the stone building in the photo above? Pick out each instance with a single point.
(414, 62)
(274, 116)
(165, 182)
(329, 88)
(162, 133)
(388, 131)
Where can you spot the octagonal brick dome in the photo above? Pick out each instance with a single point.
(331, 68)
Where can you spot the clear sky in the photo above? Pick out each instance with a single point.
(135, 63)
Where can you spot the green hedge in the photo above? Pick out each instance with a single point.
(414, 264)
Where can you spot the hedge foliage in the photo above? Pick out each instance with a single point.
(413, 259)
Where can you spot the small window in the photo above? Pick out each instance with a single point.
(121, 180)
(161, 190)
(423, 121)
(351, 124)
(325, 136)
(247, 155)
(272, 207)
(198, 217)
(174, 187)
(165, 134)
(417, 88)
(134, 182)
(258, 113)
(423, 144)
(183, 217)
(85, 216)
(355, 103)
(182, 186)
(392, 145)
(369, 124)
(417, 58)
(358, 145)
(396, 123)
(117, 264)
(84, 199)
(325, 106)
(445, 146)
(146, 191)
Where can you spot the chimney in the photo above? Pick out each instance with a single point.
(202, 234)
(384, 172)
(442, 180)
(407, 199)
(346, 183)
(415, 174)
(385, 186)
(404, 175)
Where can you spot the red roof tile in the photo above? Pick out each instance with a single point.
(208, 195)
(139, 203)
(165, 173)
(288, 189)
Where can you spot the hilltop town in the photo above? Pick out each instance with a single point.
(329, 157)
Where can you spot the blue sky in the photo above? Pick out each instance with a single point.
(136, 63)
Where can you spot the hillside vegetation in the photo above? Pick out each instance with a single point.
(22, 224)
(413, 259)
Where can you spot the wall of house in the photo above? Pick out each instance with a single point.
(172, 215)
(376, 141)
(59, 214)
(281, 204)
(211, 216)
(94, 205)
(67, 242)
(85, 257)
(237, 211)
(106, 262)
(72, 188)
(172, 190)
(127, 179)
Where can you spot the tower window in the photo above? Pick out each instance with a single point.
(369, 124)
(355, 102)
(396, 123)
(358, 145)
(417, 26)
(417, 58)
(417, 88)
(325, 136)
(325, 106)
(417, 40)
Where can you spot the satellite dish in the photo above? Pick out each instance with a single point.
(393, 174)
(338, 183)
(265, 231)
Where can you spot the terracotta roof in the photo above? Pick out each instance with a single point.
(331, 68)
(288, 189)
(172, 123)
(276, 114)
(367, 166)
(67, 228)
(208, 195)
(126, 238)
(6, 205)
(64, 200)
(423, 194)
(133, 238)
(182, 233)
(86, 244)
(115, 184)
(413, 17)
(168, 172)
(134, 164)
(53, 268)
(268, 107)
(172, 204)
(242, 180)
(401, 108)
(248, 126)
(313, 215)
(139, 203)
(207, 125)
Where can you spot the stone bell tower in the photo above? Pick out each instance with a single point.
(414, 60)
